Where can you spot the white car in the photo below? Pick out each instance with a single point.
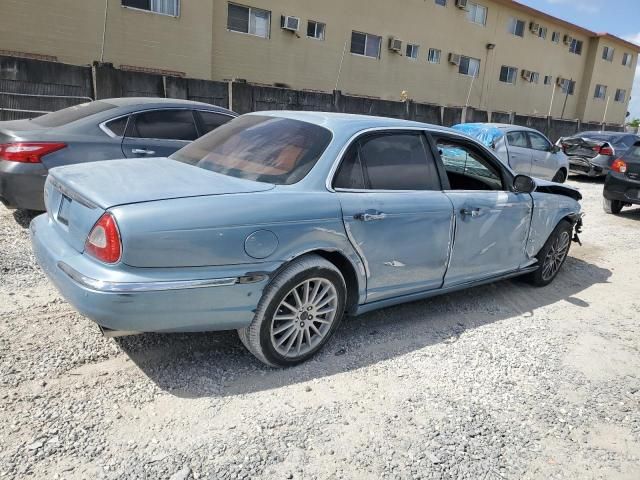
(525, 150)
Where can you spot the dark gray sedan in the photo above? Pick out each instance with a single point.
(593, 153)
(101, 130)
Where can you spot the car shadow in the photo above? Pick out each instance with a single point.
(24, 217)
(217, 365)
(586, 179)
(631, 213)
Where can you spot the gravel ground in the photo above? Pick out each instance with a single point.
(501, 381)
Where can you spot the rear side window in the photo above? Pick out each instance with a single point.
(517, 139)
(210, 121)
(163, 125)
(71, 114)
(625, 142)
(117, 126)
(394, 161)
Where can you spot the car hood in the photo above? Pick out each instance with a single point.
(544, 186)
(119, 182)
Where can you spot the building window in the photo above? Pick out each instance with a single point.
(548, 79)
(253, 21)
(555, 37)
(366, 44)
(627, 59)
(434, 55)
(621, 95)
(607, 54)
(412, 50)
(477, 13)
(576, 47)
(535, 77)
(516, 27)
(542, 32)
(441, 2)
(508, 74)
(469, 66)
(315, 30)
(601, 92)
(568, 86)
(165, 7)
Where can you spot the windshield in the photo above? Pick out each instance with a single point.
(275, 150)
(71, 114)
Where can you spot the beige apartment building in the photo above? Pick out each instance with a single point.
(497, 55)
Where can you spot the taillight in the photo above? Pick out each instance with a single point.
(103, 241)
(603, 149)
(28, 152)
(619, 166)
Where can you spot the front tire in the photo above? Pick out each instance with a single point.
(612, 206)
(298, 313)
(552, 255)
(560, 176)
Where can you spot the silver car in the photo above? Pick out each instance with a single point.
(525, 150)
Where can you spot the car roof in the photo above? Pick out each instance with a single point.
(604, 134)
(128, 102)
(350, 122)
(507, 127)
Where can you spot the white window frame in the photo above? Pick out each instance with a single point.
(315, 30)
(415, 50)
(512, 28)
(512, 72)
(555, 37)
(548, 79)
(535, 77)
(573, 48)
(608, 53)
(151, 10)
(249, 12)
(542, 33)
(471, 59)
(366, 41)
(627, 59)
(433, 55)
(601, 92)
(472, 13)
(624, 95)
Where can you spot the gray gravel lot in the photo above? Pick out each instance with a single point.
(501, 381)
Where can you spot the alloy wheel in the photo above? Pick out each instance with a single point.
(556, 255)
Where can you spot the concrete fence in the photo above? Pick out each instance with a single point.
(29, 88)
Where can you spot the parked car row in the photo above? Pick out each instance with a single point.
(277, 224)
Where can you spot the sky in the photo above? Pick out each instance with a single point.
(618, 17)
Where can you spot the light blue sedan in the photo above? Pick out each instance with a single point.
(279, 223)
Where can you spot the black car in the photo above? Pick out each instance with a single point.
(101, 130)
(622, 186)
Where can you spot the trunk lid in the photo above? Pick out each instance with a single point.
(77, 195)
(16, 129)
(582, 147)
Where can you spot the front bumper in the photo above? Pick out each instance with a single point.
(22, 185)
(618, 186)
(131, 299)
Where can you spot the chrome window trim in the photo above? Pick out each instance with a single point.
(133, 287)
(338, 160)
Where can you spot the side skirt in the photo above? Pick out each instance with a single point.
(369, 307)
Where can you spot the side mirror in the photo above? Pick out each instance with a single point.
(523, 184)
(555, 149)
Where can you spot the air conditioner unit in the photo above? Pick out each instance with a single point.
(567, 39)
(527, 74)
(290, 23)
(454, 59)
(395, 44)
(462, 4)
(534, 27)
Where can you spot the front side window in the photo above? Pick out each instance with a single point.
(71, 114)
(576, 47)
(434, 55)
(163, 125)
(366, 44)
(389, 161)
(165, 7)
(508, 74)
(412, 50)
(477, 13)
(275, 150)
(469, 66)
(253, 21)
(467, 168)
(538, 142)
(607, 54)
(516, 27)
(517, 139)
(316, 30)
(601, 92)
(621, 95)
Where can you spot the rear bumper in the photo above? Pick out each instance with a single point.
(22, 185)
(618, 186)
(149, 300)
(593, 167)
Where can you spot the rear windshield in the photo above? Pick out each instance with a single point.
(633, 153)
(275, 150)
(71, 114)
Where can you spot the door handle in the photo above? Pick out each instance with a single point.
(370, 216)
(470, 212)
(142, 151)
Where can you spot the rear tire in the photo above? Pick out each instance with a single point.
(560, 176)
(612, 206)
(298, 313)
(552, 255)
